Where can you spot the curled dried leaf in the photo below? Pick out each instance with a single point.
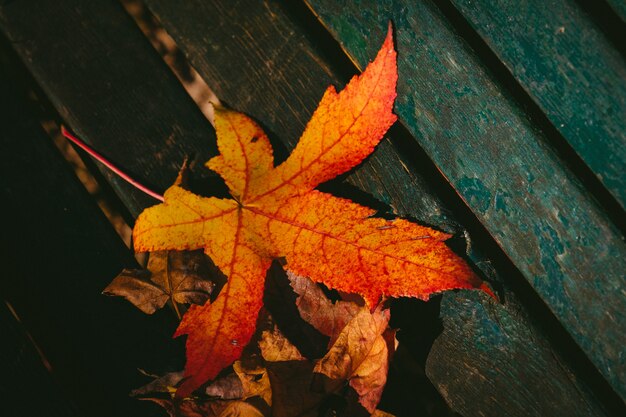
(360, 355)
(178, 276)
(275, 347)
(315, 308)
(255, 381)
(162, 392)
(228, 387)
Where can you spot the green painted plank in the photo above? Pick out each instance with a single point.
(261, 58)
(570, 69)
(501, 164)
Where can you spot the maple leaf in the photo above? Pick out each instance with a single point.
(276, 213)
(180, 277)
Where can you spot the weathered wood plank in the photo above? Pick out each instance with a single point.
(279, 81)
(109, 72)
(111, 87)
(503, 167)
(571, 71)
(258, 58)
(59, 253)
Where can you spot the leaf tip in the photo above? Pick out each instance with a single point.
(487, 288)
(389, 37)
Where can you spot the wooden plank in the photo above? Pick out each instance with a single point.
(111, 87)
(58, 83)
(59, 253)
(260, 59)
(570, 70)
(25, 376)
(502, 165)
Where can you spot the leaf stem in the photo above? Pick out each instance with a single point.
(100, 158)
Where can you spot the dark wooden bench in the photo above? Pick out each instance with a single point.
(511, 136)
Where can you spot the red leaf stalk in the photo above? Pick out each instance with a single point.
(99, 157)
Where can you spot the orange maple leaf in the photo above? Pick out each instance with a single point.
(276, 213)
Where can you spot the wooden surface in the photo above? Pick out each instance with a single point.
(279, 62)
(111, 88)
(60, 252)
(267, 59)
(570, 69)
(504, 168)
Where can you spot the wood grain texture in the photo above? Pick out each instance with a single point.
(503, 167)
(258, 59)
(59, 253)
(111, 88)
(489, 340)
(570, 70)
(262, 67)
(111, 45)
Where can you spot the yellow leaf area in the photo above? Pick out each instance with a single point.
(276, 213)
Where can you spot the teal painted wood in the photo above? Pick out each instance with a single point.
(258, 59)
(619, 6)
(500, 338)
(501, 165)
(570, 69)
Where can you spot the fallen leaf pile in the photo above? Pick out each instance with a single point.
(273, 374)
(276, 213)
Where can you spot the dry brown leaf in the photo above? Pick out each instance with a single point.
(255, 381)
(163, 384)
(240, 409)
(291, 389)
(315, 308)
(179, 276)
(360, 355)
(162, 389)
(226, 388)
(275, 347)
